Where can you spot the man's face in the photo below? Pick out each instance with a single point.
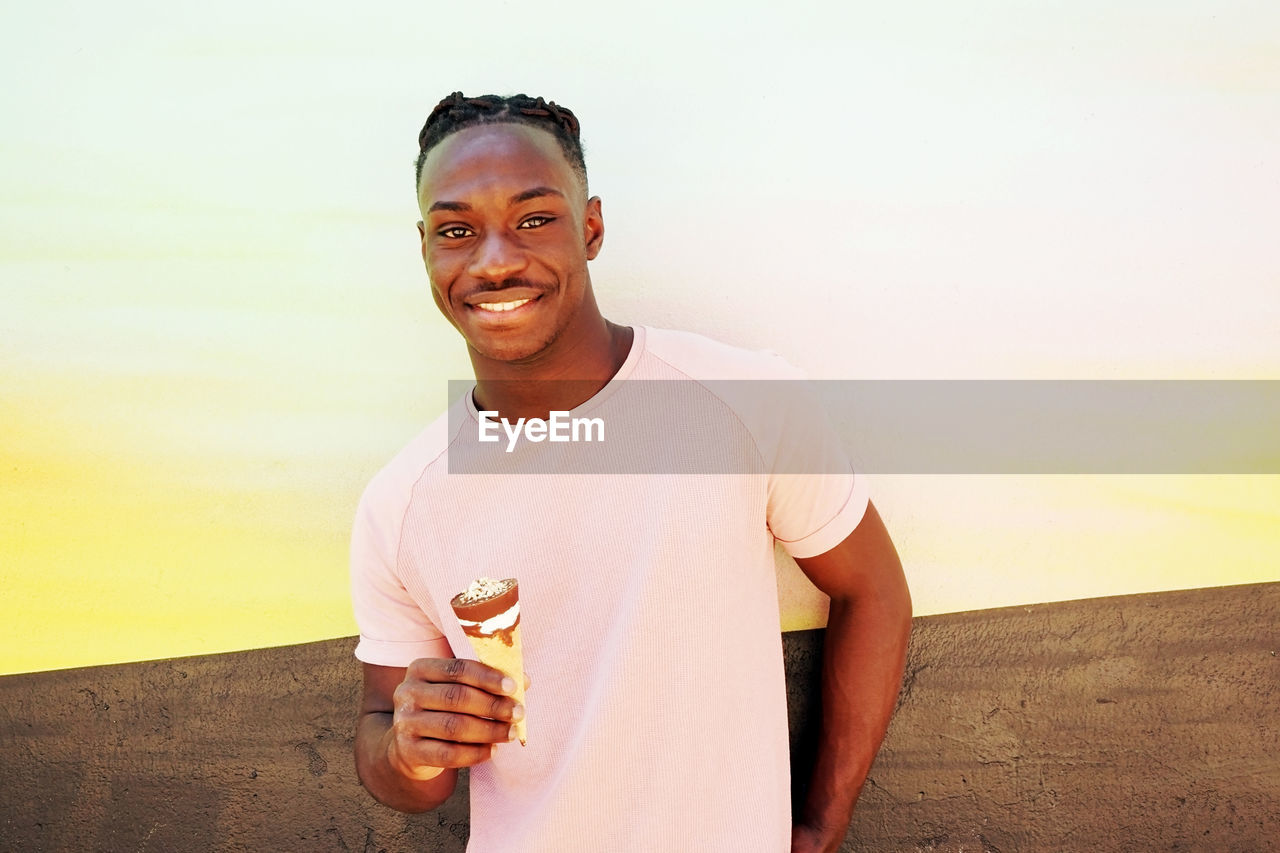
(507, 232)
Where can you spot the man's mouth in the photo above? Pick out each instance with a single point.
(502, 306)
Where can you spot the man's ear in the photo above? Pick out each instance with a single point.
(422, 239)
(593, 227)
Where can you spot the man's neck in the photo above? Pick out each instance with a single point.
(568, 375)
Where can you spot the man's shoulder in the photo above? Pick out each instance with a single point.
(394, 483)
(703, 358)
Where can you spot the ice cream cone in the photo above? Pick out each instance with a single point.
(489, 612)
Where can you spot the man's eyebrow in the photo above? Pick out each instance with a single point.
(527, 195)
(536, 192)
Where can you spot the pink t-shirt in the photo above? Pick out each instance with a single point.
(657, 715)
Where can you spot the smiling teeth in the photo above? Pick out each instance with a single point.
(501, 306)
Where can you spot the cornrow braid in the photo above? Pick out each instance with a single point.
(457, 112)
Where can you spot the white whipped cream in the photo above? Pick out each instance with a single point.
(495, 624)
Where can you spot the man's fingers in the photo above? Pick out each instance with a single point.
(411, 696)
(449, 713)
(427, 740)
(460, 671)
(424, 742)
(423, 758)
(456, 728)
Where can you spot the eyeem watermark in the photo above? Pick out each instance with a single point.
(919, 426)
(559, 427)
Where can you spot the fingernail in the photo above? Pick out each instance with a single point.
(508, 685)
(511, 734)
(517, 713)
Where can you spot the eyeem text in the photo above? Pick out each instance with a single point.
(559, 427)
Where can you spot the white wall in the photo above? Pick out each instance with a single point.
(214, 324)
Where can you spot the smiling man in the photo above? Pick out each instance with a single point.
(656, 713)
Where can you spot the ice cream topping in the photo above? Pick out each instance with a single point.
(482, 588)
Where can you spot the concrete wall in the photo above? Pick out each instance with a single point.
(1134, 723)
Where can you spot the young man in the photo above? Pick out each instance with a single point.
(657, 709)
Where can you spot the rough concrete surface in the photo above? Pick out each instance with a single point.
(1132, 723)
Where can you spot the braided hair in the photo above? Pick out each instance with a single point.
(457, 112)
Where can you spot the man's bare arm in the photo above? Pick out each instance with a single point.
(863, 659)
(417, 725)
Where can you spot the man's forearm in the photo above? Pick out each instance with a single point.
(387, 785)
(863, 658)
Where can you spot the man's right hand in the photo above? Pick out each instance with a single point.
(418, 724)
(449, 713)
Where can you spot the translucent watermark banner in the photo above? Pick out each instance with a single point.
(878, 426)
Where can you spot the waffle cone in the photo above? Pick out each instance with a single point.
(495, 652)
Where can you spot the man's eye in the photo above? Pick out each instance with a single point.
(535, 222)
(454, 232)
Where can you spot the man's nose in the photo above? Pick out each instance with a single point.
(497, 257)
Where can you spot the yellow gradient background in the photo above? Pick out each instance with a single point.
(215, 327)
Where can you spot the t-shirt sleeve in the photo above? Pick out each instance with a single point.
(815, 497)
(394, 630)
